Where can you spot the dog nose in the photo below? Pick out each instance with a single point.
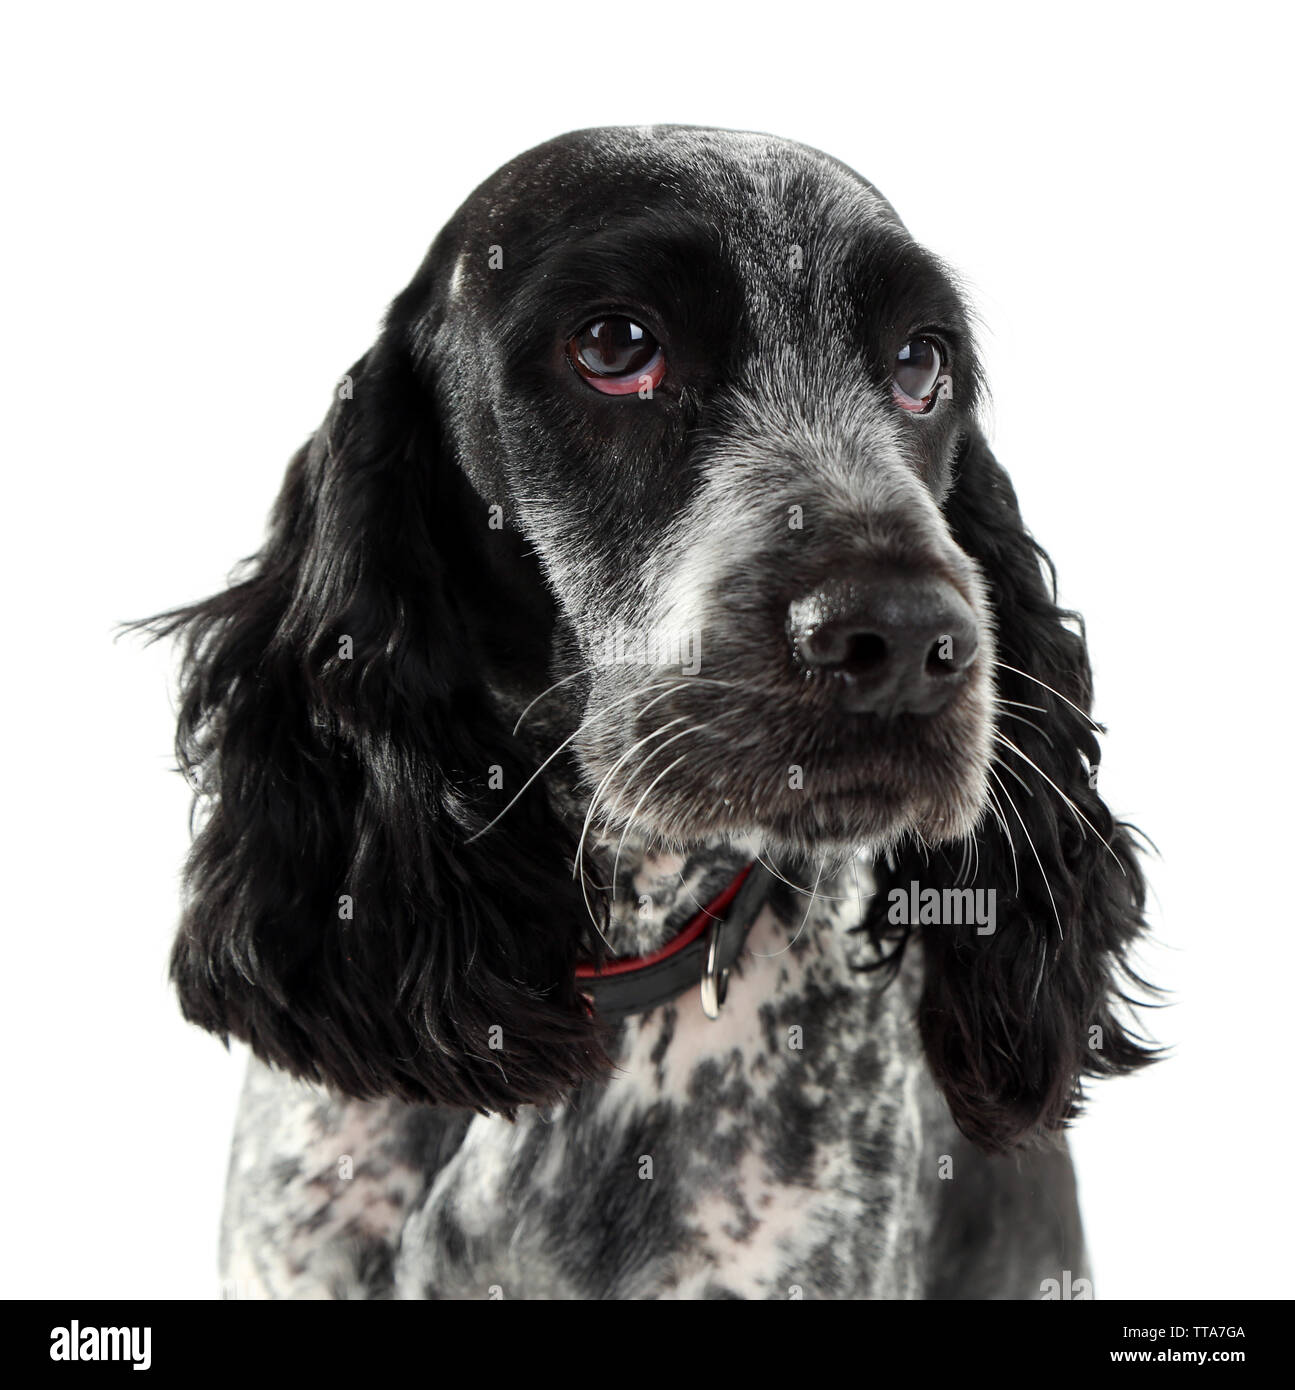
(894, 644)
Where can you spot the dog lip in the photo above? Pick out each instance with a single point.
(881, 797)
(839, 748)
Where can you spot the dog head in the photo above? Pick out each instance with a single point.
(718, 390)
(672, 437)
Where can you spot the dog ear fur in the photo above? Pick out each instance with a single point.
(1013, 1022)
(339, 915)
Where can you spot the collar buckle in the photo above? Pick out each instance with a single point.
(714, 980)
(707, 948)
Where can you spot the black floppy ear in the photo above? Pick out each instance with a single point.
(339, 917)
(1013, 1021)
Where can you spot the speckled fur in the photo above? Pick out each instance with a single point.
(796, 1150)
(349, 700)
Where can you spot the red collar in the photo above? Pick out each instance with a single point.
(701, 952)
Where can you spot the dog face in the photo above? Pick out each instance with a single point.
(660, 494)
(675, 360)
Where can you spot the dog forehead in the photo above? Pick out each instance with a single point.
(588, 175)
(762, 201)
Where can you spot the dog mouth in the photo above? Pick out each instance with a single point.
(795, 772)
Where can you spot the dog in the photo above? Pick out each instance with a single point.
(647, 817)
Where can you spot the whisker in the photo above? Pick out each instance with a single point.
(602, 666)
(673, 686)
(607, 710)
(1029, 790)
(583, 672)
(584, 830)
(1001, 816)
(1029, 841)
(1096, 726)
(854, 873)
(796, 887)
(964, 862)
(809, 907)
(700, 906)
(624, 758)
(674, 738)
(578, 863)
(638, 806)
(1075, 811)
(1020, 704)
(577, 867)
(1021, 719)
(605, 779)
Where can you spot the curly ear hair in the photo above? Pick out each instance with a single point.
(339, 918)
(1013, 1022)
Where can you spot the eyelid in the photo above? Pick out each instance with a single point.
(631, 383)
(916, 407)
(620, 309)
(943, 338)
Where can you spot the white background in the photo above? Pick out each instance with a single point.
(206, 217)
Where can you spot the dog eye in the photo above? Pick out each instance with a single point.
(917, 374)
(617, 356)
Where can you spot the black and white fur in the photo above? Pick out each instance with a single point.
(381, 897)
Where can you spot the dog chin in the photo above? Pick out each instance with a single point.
(874, 818)
(847, 828)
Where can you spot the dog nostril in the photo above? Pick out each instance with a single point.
(939, 660)
(951, 653)
(865, 653)
(891, 644)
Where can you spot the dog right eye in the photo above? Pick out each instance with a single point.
(916, 377)
(617, 356)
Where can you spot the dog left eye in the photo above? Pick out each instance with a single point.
(917, 374)
(617, 356)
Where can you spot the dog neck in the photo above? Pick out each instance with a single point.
(657, 891)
